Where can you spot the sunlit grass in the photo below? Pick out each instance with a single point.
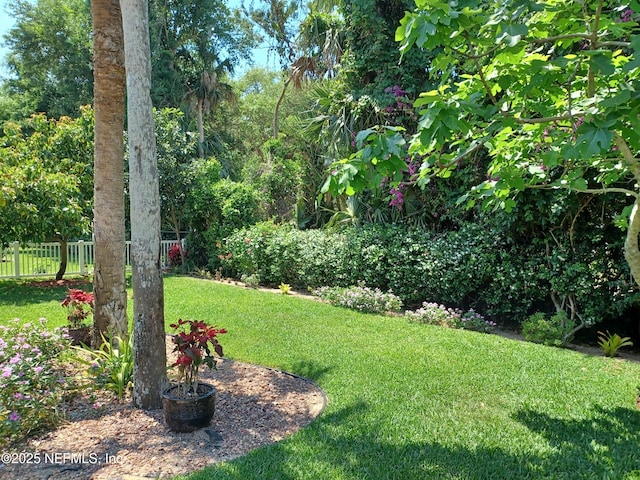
(409, 401)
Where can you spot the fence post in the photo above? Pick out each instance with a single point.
(81, 256)
(16, 258)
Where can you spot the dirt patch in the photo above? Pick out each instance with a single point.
(103, 439)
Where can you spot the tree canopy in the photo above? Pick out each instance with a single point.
(50, 56)
(549, 91)
(46, 179)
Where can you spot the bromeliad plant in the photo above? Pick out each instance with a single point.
(79, 305)
(195, 343)
(611, 343)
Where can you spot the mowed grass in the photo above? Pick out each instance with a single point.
(409, 401)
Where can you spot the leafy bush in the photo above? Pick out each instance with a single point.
(251, 281)
(216, 208)
(360, 298)
(473, 267)
(32, 384)
(436, 314)
(554, 331)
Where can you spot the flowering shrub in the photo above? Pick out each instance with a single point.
(194, 347)
(79, 305)
(31, 385)
(361, 298)
(435, 314)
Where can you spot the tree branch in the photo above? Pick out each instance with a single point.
(605, 190)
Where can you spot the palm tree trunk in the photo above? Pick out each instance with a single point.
(201, 127)
(276, 110)
(110, 296)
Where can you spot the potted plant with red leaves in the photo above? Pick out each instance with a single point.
(79, 305)
(190, 404)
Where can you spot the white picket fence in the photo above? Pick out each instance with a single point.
(43, 259)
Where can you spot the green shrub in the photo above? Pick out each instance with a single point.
(555, 331)
(32, 383)
(473, 267)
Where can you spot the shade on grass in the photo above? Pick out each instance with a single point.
(409, 401)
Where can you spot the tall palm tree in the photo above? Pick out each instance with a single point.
(205, 94)
(110, 314)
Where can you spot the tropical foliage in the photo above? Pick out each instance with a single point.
(433, 133)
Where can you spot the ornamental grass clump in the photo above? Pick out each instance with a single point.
(195, 346)
(360, 298)
(32, 385)
(435, 314)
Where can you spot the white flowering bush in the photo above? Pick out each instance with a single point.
(360, 298)
(31, 383)
(436, 314)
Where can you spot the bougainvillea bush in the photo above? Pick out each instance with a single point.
(32, 385)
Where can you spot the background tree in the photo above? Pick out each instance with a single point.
(196, 45)
(49, 56)
(46, 184)
(177, 152)
(149, 347)
(109, 288)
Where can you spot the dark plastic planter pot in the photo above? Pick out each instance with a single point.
(80, 335)
(188, 414)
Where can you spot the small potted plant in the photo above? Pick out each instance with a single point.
(190, 404)
(79, 305)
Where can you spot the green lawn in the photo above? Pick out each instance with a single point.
(409, 401)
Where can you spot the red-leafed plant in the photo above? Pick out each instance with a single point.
(175, 255)
(195, 345)
(79, 305)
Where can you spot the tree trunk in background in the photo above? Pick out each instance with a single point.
(64, 258)
(110, 296)
(149, 354)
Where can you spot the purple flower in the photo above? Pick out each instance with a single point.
(397, 198)
(14, 417)
(38, 369)
(7, 371)
(15, 359)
